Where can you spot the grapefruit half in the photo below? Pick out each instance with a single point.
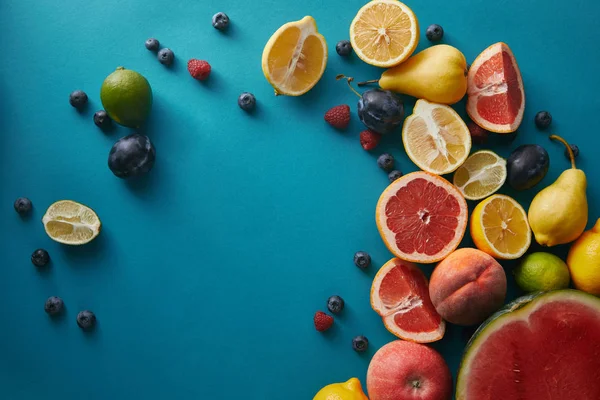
(540, 347)
(421, 217)
(400, 295)
(496, 96)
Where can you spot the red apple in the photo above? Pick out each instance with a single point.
(403, 370)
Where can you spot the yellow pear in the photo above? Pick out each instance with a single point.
(559, 213)
(349, 390)
(437, 74)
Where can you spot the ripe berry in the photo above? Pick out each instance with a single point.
(220, 21)
(247, 101)
(23, 205)
(54, 305)
(152, 44)
(543, 119)
(102, 120)
(199, 69)
(343, 48)
(386, 162)
(369, 139)
(40, 258)
(434, 33)
(86, 320)
(335, 304)
(166, 56)
(78, 99)
(395, 174)
(322, 321)
(362, 259)
(360, 344)
(574, 149)
(338, 116)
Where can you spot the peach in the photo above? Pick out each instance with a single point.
(408, 371)
(467, 287)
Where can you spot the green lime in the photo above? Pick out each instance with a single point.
(542, 272)
(127, 97)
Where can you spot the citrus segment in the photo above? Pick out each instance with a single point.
(435, 138)
(495, 88)
(384, 33)
(421, 217)
(481, 175)
(295, 57)
(400, 295)
(69, 222)
(500, 228)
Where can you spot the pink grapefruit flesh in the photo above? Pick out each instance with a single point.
(408, 371)
(496, 96)
(421, 217)
(400, 295)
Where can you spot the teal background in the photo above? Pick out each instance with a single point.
(208, 271)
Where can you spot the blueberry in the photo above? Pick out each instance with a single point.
(360, 344)
(152, 44)
(343, 48)
(220, 21)
(335, 304)
(395, 174)
(362, 259)
(574, 149)
(131, 156)
(166, 56)
(54, 305)
(40, 258)
(102, 120)
(23, 205)
(381, 110)
(543, 119)
(78, 99)
(247, 101)
(86, 320)
(434, 33)
(526, 166)
(386, 162)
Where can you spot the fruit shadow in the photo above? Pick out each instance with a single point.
(94, 334)
(59, 319)
(146, 186)
(81, 255)
(230, 32)
(214, 83)
(44, 271)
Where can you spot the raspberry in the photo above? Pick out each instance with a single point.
(199, 69)
(338, 116)
(322, 321)
(369, 139)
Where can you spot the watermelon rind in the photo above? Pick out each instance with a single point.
(520, 308)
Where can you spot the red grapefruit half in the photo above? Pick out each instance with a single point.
(400, 295)
(421, 217)
(495, 88)
(540, 347)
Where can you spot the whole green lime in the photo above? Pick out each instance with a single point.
(542, 272)
(127, 97)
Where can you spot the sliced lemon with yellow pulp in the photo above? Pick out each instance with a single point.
(295, 57)
(500, 228)
(384, 33)
(481, 175)
(435, 138)
(69, 222)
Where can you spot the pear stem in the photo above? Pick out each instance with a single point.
(563, 141)
(367, 82)
(348, 79)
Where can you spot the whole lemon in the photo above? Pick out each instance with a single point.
(127, 97)
(349, 390)
(584, 261)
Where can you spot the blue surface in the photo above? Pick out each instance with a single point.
(208, 272)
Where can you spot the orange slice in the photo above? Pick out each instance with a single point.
(436, 138)
(295, 57)
(495, 88)
(384, 33)
(400, 295)
(421, 217)
(500, 228)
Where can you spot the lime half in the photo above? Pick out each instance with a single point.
(481, 175)
(127, 97)
(69, 222)
(542, 272)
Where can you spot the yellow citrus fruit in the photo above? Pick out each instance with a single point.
(349, 390)
(384, 33)
(295, 57)
(127, 97)
(584, 261)
(481, 175)
(500, 228)
(435, 138)
(69, 222)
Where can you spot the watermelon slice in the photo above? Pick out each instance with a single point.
(545, 346)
